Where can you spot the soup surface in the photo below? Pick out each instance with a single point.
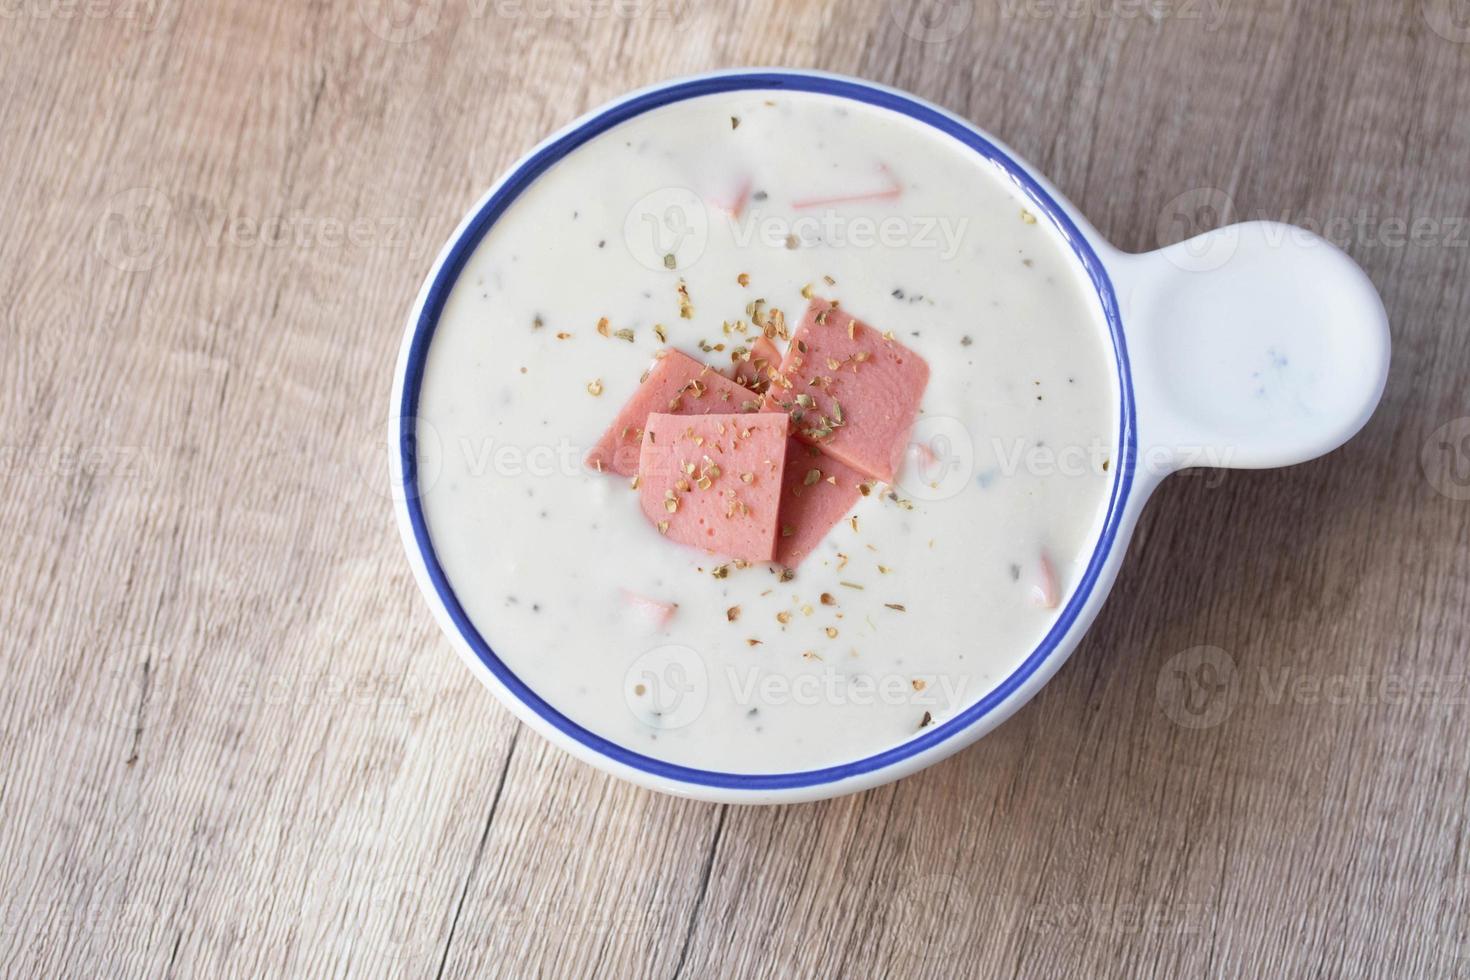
(680, 229)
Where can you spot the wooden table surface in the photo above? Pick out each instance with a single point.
(235, 743)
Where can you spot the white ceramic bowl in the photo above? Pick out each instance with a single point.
(1187, 324)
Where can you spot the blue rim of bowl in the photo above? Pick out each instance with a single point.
(537, 164)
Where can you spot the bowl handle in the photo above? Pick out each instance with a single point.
(1255, 345)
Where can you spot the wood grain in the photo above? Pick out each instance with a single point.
(235, 743)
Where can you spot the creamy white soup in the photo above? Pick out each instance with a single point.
(682, 228)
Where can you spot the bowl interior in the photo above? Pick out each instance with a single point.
(442, 281)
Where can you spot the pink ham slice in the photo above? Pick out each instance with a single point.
(755, 369)
(676, 384)
(812, 505)
(714, 481)
(851, 391)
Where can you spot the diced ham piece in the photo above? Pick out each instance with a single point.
(714, 481)
(812, 504)
(733, 200)
(889, 192)
(927, 456)
(851, 391)
(762, 360)
(676, 384)
(657, 614)
(1044, 592)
